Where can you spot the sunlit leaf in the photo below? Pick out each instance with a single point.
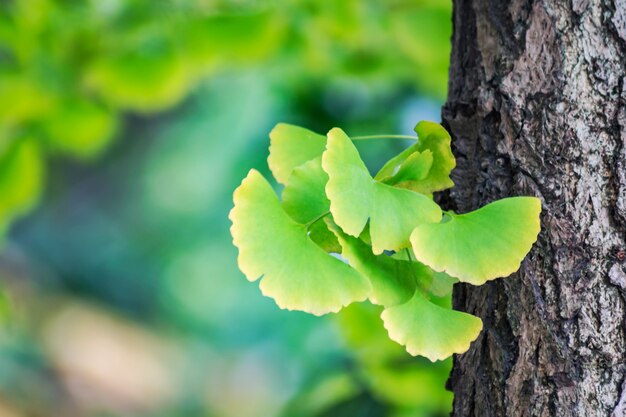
(298, 274)
(393, 281)
(304, 199)
(291, 146)
(434, 139)
(356, 198)
(441, 284)
(414, 168)
(429, 330)
(488, 243)
(304, 196)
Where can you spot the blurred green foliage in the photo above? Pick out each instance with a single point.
(68, 69)
(132, 252)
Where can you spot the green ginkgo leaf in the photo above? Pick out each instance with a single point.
(429, 330)
(304, 196)
(355, 197)
(441, 284)
(434, 139)
(291, 146)
(414, 167)
(485, 244)
(297, 273)
(304, 199)
(393, 281)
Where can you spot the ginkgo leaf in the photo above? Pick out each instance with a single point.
(429, 330)
(434, 139)
(297, 273)
(414, 167)
(356, 197)
(485, 244)
(304, 196)
(393, 281)
(437, 284)
(304, 199)
(291, 146)
(441, 284)
(323, 237)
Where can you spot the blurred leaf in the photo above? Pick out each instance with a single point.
(148, 76)
(80, 128)
(21, 179)
(231, 39)
(23, 98)
(423, 34)
(330, 391)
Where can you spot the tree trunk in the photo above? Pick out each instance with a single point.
(536, 106)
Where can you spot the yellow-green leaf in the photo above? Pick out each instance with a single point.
(429, 330)
(433, 138)
(393, 281)
(355, 197)
(485, 244)
(296, 272)
(304, 196)
(292, 146)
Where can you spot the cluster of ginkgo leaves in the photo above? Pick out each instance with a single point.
(341, 236)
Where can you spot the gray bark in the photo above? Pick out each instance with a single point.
(536, 106)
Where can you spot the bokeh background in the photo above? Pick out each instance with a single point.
(125, 126)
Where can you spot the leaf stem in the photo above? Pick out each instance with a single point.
(408, 254)
(383, 137)
(321, 216)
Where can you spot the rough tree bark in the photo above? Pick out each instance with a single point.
(536, 106)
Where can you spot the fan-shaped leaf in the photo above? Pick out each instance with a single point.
(393, 281)
(415, 167)
(304, 199)
(291, 146)
(298, 274)
(356, 197)
(434, 139)
(304, 196)
(429, 330)
(482, 245)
